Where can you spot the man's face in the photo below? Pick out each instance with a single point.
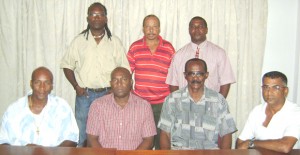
(274, 91)
(195, 75)
(151, 28)
(41, 84)
(197, 31)
(96, 18)
(121, 83)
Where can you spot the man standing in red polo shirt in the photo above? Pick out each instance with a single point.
(149, 59)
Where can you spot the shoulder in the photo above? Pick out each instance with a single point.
(18, 105)
(214, 47)
(183, 49)
(114, 38)
(138, 100)
(103, 101)
(136, 44)
(79, 38)
(212, 94)
(258, 109)
(166, 43)
(292, 107)
(58, 102)
(180, 93)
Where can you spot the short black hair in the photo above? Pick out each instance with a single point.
(195, 60)
(198, 18)
(274, 75)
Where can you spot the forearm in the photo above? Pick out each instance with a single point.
(67, 143)
(226, 141)
(92, 141)
(224, 89)
(240, 144)
(284, 145)
(71, 77)
(173, 88)
(147, 144)
(165, 142)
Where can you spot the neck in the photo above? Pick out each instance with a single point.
(36, 105)
(121, 101)
(98, 33)
(196, 94)
(152, 41)
(198, 42)
(274, 108)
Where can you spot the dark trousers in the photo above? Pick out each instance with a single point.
(156, 112)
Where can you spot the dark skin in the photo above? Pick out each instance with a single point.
(151, 30)
(121, 84)
(275, 100)
(196, 91)
(41, 84)
(198, 31)
(97, 20)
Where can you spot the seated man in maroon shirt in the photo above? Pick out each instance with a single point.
(121, 119)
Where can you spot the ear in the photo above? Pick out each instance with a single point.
(206, 75)
(286, 92)
(31, 84)
(206, 30)
(185, 76)
(52, 86)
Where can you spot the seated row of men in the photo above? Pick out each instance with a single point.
(194, 117)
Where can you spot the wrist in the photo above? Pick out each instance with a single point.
(251, 144)
(75, 86)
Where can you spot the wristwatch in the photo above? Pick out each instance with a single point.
(251, 144)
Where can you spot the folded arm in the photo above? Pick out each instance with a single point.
(284, 144)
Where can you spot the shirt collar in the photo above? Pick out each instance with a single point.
(201, 46)
(159, 38)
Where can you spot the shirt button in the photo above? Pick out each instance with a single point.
(120, 124)
(120, 137)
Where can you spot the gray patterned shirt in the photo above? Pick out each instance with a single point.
(196, 125)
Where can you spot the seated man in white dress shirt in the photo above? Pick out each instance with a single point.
(39, 119)
(274, 124)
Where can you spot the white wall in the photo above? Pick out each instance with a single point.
(282, 45)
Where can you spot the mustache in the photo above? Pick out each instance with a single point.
(196, 81)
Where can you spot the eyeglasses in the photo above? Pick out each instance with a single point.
(272, 88)
(97, 14)
(197, 74)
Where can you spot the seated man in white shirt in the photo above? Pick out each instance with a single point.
(274, 124)
(39, 118)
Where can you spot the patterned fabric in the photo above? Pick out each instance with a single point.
(151, 69)
(218, 65)
(56, 124)
(119, 128)
(94, 62)
(196, 125)
(284, 123)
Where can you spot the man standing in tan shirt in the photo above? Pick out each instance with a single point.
(88, 62)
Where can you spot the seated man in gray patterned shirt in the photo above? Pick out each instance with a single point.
(196, 117)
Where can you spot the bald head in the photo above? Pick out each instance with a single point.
(41, 70)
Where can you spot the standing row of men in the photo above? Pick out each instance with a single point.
(95, 53)
(194, 116)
